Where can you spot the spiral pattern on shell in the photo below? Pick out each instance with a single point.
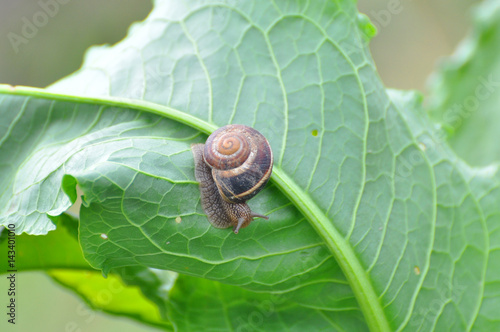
(228, 147)
(241, 160)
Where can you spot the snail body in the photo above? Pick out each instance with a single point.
(232, 166)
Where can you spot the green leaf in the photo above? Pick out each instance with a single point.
(60, 255)
(465, 92)
(461, 283)
(58, 249)
(183, 302)
(195, 304)
(112, 296)
(369, 210)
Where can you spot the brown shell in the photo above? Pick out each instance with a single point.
(220, 213)
(241, 160)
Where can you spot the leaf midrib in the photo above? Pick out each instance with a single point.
(338, 246)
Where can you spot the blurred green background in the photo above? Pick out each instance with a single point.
(409, 43)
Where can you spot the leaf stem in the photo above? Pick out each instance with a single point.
(135, 104)
(340, 248)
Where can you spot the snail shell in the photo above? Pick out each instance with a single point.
(232, 166)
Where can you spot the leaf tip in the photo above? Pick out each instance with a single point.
(367, 28)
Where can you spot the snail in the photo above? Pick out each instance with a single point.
(232, 166)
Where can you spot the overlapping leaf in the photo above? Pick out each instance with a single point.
(465, 92)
